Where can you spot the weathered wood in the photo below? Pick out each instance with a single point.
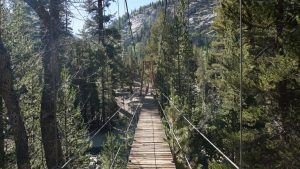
(150, 149)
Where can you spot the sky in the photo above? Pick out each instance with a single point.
(81, 15)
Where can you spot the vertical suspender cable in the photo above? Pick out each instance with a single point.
(241, 83)
(66, 8)
(188, 15)
(130, 28)
(119, 15)
(166, 8)
(131, 33)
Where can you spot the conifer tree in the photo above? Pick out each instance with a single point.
(73, 131)
(9, 95)
(27, 66)
(269, 67)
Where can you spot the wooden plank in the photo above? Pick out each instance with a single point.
(149, 148)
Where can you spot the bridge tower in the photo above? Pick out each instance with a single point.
(147, 75)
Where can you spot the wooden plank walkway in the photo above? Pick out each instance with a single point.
(149, 149)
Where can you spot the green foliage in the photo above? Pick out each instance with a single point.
(85, 63)
(27, 68)
(110, 148)
(170, 46)
(203, 82)
(205, 85)
(73, 130)
(266, 67)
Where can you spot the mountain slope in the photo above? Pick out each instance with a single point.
(199, 13)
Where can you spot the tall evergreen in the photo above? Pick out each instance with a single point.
(19, 37)
(12, 104)
(269, 79)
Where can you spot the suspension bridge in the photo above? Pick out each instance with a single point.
(150, 148)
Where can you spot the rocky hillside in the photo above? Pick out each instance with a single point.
(200, 14)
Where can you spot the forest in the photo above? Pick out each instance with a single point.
(228, 92)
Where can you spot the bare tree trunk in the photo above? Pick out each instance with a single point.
(14, 113)
(2, 152)
(50, 137)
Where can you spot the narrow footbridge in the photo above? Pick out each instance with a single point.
(149, 148)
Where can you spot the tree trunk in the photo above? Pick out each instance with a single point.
(14, 113)
(284, 98)
(2, 152)
(50, 136)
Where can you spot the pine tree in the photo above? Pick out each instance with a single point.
(266, 65)
(27, 66)
(9, 95)
(73, 131)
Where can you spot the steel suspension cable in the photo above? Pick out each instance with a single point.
(109, 119)
(166, 8)
(115, 157)
(194, 127)
(172, 132)
(119, 15)
(72, 158)
(130, 28)
(241, 83)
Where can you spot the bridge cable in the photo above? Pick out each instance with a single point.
(172, 132)
(241, 82)
(119, 15)
(194, 127)
(115, 157)
(166, 9)
(72, 158)
(130, 28)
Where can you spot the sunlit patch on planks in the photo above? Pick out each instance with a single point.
(149, 149)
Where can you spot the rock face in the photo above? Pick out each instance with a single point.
(199, 12)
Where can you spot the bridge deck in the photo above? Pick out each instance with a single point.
(149, 149)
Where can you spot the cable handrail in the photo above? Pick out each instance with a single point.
(241, 82)
(72, 158)
(112, 164)
(172, 131)
(194, 127)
